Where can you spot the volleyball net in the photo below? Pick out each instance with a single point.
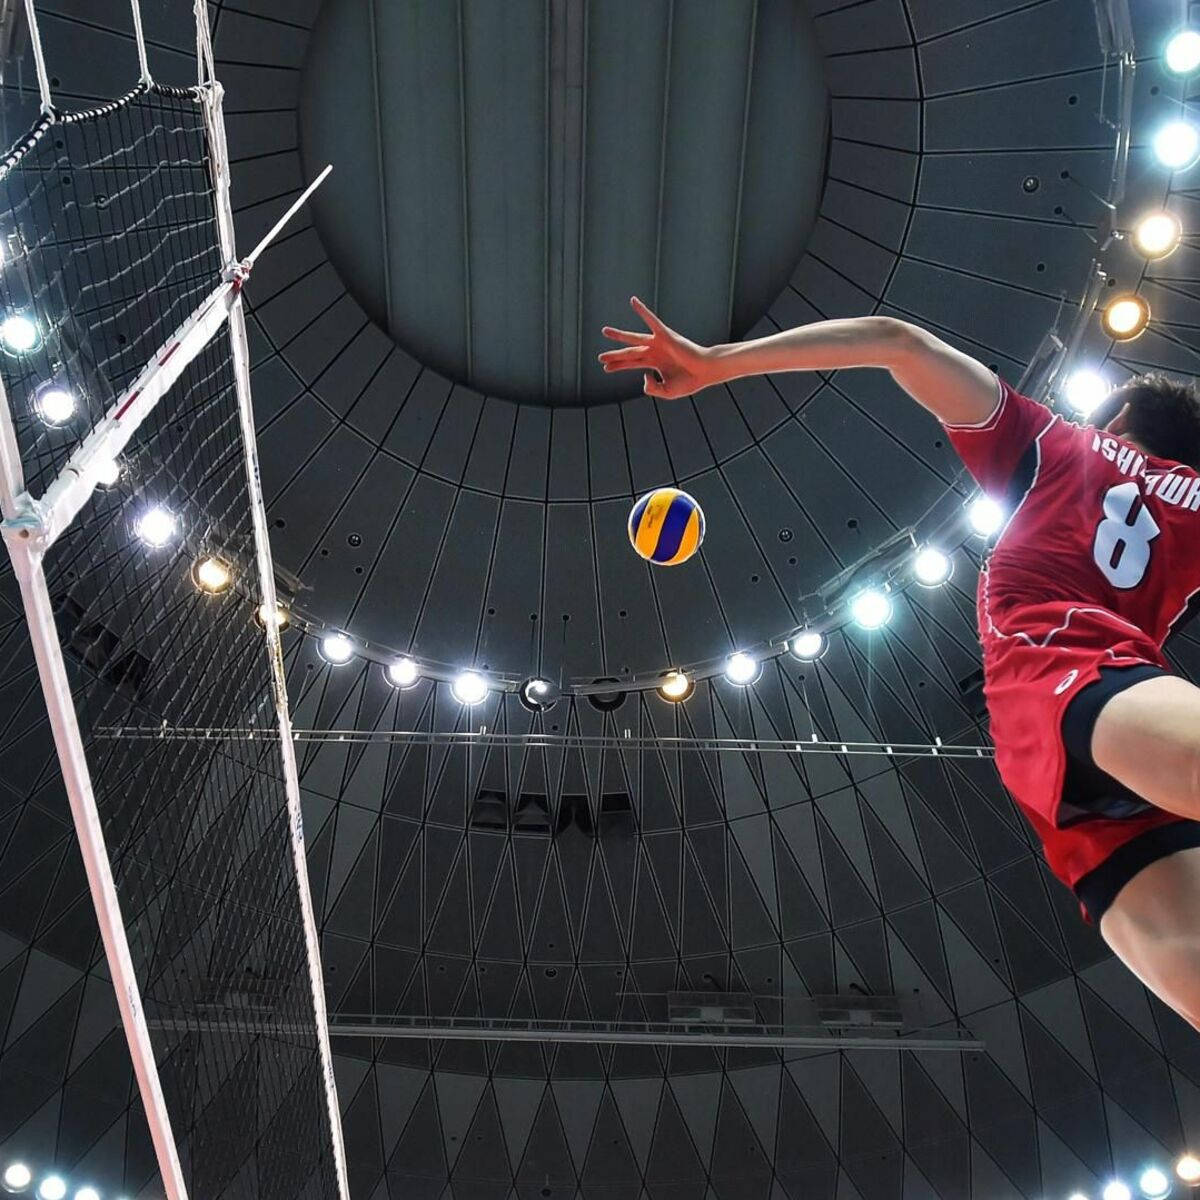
(135, 526)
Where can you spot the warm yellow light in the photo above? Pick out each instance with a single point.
(1157, 235)
(1188, 1169)
(1126, 317)
(282, 617)
(675, 686)
(212, 575)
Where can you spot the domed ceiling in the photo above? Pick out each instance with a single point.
(434, 487)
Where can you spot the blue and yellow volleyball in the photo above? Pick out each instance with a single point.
(666, 527)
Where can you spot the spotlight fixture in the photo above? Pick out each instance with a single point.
(403, 673)
(54, 404)
(51, 1188)
(19, 334)
(1154, 1184)
(1125, 317)
(469, 688)
(87, 1193)
(871, 608)
(1177, 145)
(1182, 55)
(1188, 1169)
(931, 566)
(809, 645)
(336, 648)
(17, 1177)
(538, 695)
(1077, 1196)
(108, 472)
(156, 526)
(1157, 234)
(212, 575)
(1085, 390)
(1116, 1190)
(742, 669)
(676, 687)
(985, 515)
(281, 619)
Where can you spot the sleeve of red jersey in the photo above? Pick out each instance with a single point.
(991, 449)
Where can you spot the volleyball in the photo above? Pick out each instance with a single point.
(666, 527)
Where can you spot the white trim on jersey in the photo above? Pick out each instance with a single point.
(994, 415)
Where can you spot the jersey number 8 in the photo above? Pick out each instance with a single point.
(1122, 545)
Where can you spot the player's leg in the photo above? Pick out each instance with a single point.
(1151, 927)
(1148, 737)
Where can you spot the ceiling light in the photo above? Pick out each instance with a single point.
(1077, 1196)
(985, 515)
(808, 646)
(1157, 234)
(1125, 318)
(18, 334)
(1154, 1184)
(931, 566)
(87, 1193)
(1188, 1168)
(156, 526)
(1116, 1190)
(742, 669)
(676, 687)
(1183, 52)
(336, 648)
(17, 1177)
(108, 472)
(1085, 390)
(1177, 145)
(469, 688)
(403, 673)
(212, 575)
(871, 608)
(54, 404)
(282, 618)
(538, 695)
(52, 1188)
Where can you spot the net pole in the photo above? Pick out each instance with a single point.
(140, 37)
(39, 59)
(213, 107)
(64, 724)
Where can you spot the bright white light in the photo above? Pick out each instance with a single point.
(470, 688)
(931, 566)
(1116, 1191)
(1154, 1184)
(19, 334)
(1188, 1168)
(156, 527)
(985, 515)
(87, 1193)
(55, 405)
(52, 1188)
(1177, 145)
(1085, 390)
(539, 694)
(17, 1177)
(403, 673)
(742, 669)
(337, 648)
(108, 471)
(1077, 1196)
(675, 686)
(808, 645)
(1157, 235)
(871, 608)
(1183, 52)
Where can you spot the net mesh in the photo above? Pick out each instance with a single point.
(110, 242)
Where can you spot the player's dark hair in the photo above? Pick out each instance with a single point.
(1164, 416)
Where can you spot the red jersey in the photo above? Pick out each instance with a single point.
(1098, 559)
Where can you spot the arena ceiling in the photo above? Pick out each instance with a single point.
(956, 185)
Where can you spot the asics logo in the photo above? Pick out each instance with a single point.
(1066, 682)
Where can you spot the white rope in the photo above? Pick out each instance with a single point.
(140, 36)
(39, 59)
(206, 71)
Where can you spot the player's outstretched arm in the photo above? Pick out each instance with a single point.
(952, 385)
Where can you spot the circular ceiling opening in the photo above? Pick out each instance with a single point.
(507, 175)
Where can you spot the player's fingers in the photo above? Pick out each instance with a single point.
(627, 336)
(653, 387)
(642, 311)
(629, 357)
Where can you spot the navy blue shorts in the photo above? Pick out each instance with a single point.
(1088, 787)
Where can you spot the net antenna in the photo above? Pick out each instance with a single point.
(125, 409)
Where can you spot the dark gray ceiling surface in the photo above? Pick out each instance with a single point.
(777, 874)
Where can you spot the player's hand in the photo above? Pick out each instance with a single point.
(672, 366)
